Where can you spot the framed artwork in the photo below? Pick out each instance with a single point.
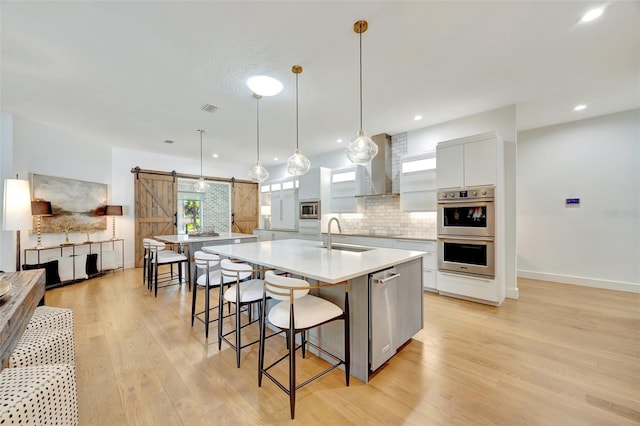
(77, 205)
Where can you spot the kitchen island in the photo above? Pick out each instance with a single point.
(353, 264)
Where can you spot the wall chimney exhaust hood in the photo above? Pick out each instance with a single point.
(380, 169)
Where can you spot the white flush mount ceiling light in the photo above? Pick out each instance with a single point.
(201, 185)
(258, 173)
(580, 107)
(297, 164)
(592, 14)
(264, 86)
(362, 149)
(417, 117)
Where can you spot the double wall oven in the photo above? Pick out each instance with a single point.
(466, 231)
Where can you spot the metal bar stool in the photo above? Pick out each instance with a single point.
(243, 294)
(208, 275)
(297, 312)
(160, 256)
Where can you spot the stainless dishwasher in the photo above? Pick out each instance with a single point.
(382, 313)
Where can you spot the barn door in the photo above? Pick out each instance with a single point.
(244, 207)
(156, 207)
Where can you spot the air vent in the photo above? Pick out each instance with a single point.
(209, 108)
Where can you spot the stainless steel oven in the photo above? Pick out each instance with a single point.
(467, 255)
(310, 210)
(467, 212)
(466, 231)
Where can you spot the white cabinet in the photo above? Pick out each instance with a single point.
(467, 162)
(314, 184)
(429, 259)
(346, 184)
(284, 206)
(418, 183)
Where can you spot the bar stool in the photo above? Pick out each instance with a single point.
(207, 276)
(297, 312)
(39, 395)
(51, 317)
(158, 256)
(241, 293)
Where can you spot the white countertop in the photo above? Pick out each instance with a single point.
(184, 238)
(309, 259)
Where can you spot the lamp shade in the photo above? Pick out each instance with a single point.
(113, 211)
(41, 208)
(16, 214)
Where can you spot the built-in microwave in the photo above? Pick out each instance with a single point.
(309, 209)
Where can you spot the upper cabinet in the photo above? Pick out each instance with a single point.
(346, 184)
(418, 182)
(467, 162)
(315, 184)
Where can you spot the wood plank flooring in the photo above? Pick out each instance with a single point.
(560, 355)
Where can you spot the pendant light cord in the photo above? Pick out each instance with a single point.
(258, 127)
(297, 146)
(201, 132)
(360, 80)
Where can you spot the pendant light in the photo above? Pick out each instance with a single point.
(297, 164)
(201, 185)
(258, 173)
(362, 149)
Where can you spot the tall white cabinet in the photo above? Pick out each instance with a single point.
(483, 160)
(284, 205)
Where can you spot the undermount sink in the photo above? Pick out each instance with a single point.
(347, 247)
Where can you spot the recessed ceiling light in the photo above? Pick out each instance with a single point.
(417, 117)
(275, 159)
(264, 86)
(215, 155)
(579, 107)
(168, 141)
(339, 141)
(592, 14)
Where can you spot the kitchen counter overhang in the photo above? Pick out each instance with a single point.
(309, 259)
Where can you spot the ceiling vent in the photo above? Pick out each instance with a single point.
(209, 108)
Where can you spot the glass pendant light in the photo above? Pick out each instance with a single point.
(258, 173)
(201, 185)
(362, 149)
(297, 164)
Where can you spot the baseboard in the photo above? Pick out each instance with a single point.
(583, 281)
(512, 293)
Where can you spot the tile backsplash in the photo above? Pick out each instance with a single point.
(382, 216)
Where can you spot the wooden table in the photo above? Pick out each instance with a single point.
(16, 308)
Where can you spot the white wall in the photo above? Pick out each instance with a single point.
(7, 238)
(598, 161)
(501, 120)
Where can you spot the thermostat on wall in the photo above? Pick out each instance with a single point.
(572, 202)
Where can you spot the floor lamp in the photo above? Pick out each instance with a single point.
(16, 213)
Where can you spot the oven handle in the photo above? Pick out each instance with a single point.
(465, 238)
(467, 201)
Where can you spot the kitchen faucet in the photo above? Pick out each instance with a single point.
(329, 231)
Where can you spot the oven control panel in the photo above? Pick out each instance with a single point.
(468, 193)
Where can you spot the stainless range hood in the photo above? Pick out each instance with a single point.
(380, 170)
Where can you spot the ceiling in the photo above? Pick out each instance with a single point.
(134, 74)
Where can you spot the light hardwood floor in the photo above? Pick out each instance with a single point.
(560, 355)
